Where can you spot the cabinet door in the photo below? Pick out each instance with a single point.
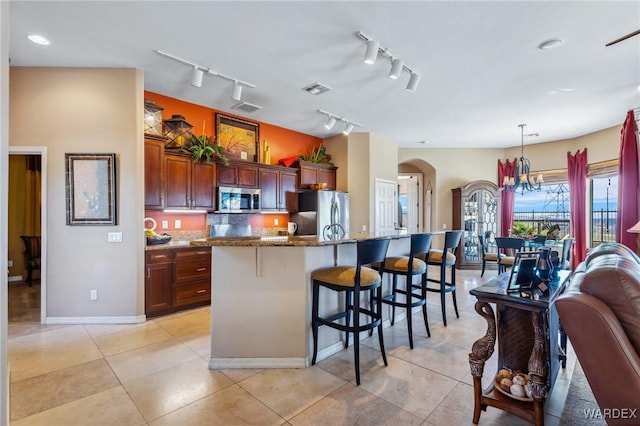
(178, 182)
(269, 189)
(203, 188)
(153, 176)
(287, 185)
(158, 281)
(247, 176)
(328, 176)
(227, 175)
(308, 175)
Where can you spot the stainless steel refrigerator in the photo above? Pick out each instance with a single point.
(323, 213)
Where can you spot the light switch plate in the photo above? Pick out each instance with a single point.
(178, 224)
(114, 237)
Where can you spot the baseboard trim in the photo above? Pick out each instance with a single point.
(230, 363)
(96, 320)
(14, 278)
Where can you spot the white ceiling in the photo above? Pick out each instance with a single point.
(481, 72)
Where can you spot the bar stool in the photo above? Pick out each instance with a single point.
(446, 258)
(408, 267)
(352, 280)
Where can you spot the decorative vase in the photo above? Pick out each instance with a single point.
(544, 266)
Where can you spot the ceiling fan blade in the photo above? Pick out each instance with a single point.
(623, 38)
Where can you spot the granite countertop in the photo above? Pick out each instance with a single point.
(170, 245)
(291, 241)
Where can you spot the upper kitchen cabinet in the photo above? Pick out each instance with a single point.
(189, 184)
(153, 172)
(238, 173)
(316, 173)
(275, 182)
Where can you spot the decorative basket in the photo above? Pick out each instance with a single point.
(158, 239)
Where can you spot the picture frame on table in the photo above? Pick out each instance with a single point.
(524, 272)
(91, 197)
(239, 138)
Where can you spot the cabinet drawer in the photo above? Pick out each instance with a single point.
(192, 270)
(158, 256)
(200, 253)
(185, 294)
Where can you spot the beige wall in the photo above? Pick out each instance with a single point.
(87, 111)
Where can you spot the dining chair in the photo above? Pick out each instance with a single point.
(565, 259)
(507, 249)
(487, 256)
(31, 255)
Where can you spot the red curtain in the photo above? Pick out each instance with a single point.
(628, 183)
(577, 172)
(508, 168)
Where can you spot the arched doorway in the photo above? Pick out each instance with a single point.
(416, 187)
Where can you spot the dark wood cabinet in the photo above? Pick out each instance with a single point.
(316, 173)
(238, 174)
(158, 280)
(176, 279)
(275, 182)
(189, 185)
(153, 172)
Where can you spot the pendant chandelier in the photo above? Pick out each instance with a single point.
(522, 179)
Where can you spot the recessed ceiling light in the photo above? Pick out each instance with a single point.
(38, 39)
(423, 142)
(550, 44)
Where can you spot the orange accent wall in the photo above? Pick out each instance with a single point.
(190, 221)
(258, 221)
(283, 142)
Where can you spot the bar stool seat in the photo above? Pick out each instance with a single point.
(408, 267)
(352, 280)
(444, 259)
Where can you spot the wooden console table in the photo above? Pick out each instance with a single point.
(527, 332)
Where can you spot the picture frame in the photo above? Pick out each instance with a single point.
(240, 139)
(91, 189)
(523, 272)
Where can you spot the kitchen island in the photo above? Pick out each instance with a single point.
(261, 298)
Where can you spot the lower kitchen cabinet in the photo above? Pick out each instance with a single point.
(177, 279)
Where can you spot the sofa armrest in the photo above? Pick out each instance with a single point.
(610, 363)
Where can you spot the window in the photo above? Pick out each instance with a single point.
(604, 209)
(549, 206)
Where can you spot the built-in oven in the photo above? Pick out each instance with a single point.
(238, 200)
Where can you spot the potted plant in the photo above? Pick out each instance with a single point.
(522, 230)
(204, 149)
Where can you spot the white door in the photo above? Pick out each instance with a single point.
(386, 206)
(413, 202)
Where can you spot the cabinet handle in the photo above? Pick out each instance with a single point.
(201, 269)
(158, 256)
(148, 272)
(201, 252)
(201, 291)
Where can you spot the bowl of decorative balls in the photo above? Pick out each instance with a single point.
(515, 385)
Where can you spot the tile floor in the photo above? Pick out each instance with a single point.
(156, 373)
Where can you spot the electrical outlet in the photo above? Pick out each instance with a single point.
(114, 237)
(93, 294)
(10, 263)
(177, 224)
(165, 224)
(275, 222)
(364, 228)
(444, 226)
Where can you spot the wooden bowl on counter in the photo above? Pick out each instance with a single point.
(318, 186)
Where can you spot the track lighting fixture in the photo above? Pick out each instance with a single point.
(333, 119)
(374, 49)
(396, 68)
(413, 82)
(199, 71)
(372, 52)
(237, 91)
(330, 123)
(348, 129)
(196, 78)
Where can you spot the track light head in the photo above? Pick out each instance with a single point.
(396, 68)
(348, 129)
(372, 52)
(414, 80)
(196, 77)
(237, 91)
(330, 123)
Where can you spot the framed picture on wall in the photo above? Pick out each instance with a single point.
(239, 138)
(91, 189)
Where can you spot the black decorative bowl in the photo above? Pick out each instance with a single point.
(158, 239)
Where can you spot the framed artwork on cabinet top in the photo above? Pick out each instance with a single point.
(91, 189)
(240, 139)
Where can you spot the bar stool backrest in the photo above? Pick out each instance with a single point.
(420, 245)
(451, 240)
(372, 251)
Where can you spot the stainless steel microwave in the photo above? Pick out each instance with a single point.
(238, 200)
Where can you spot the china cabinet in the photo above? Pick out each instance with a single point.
(476, 210)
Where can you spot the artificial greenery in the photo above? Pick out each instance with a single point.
(317, 155)
(204, 149)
